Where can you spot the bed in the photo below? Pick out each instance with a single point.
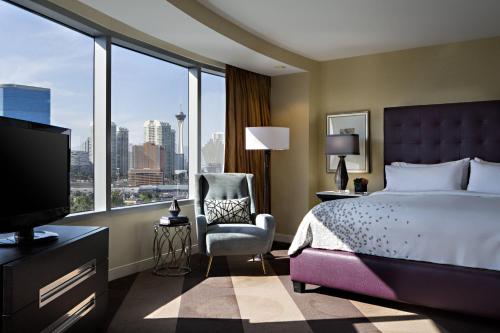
(386, 248)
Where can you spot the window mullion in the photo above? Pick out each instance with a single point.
(102, 123)
(194, 83)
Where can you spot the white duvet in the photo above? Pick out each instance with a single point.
(456, 228)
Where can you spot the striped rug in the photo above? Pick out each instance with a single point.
(237, 297)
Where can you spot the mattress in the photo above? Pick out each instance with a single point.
(457, 228)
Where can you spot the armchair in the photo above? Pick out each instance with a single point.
(234, 238)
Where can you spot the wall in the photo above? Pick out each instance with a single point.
(468, 71)
(290, 108)
(448, 73)
(131, 235)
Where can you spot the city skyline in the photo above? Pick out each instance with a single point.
(59, 61)
(45, 54)
(212, 150)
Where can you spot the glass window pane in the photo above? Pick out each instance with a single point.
(46, 75)
(149, 139)
(213, 122)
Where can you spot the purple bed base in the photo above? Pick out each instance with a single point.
(467, 290)
(419, 134)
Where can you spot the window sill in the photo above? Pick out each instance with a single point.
(123, 210)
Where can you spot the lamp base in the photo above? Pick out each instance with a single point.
(341, 176)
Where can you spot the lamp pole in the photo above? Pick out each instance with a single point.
(267, 182)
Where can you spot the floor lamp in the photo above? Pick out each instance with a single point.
(267, 139)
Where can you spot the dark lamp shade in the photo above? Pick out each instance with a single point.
(342, 144)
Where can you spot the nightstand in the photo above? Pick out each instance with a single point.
(335, 195)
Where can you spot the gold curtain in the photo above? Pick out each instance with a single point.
(248, 102)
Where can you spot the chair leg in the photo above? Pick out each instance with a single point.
(263, 264)
(209, 265)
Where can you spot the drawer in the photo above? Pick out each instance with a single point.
(94, 320)
(43, 277)
(76, 303)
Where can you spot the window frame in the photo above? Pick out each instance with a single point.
(103, 40)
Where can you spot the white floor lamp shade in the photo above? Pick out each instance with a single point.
(267, 138)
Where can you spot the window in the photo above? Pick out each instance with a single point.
(46, 75)
(213, 116)
(149, 139)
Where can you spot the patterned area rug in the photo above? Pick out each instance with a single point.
(237, 297)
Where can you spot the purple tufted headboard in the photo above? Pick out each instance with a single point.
(442, 132)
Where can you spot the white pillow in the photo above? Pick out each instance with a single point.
(484, 177)
(444, 177)
(477, 159)
(464, 163)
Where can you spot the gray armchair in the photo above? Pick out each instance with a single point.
(237, 238)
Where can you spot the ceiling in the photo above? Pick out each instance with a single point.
(332, 29)
(315, 29)
(164, 21)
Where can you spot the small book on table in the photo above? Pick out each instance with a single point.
(173, 220)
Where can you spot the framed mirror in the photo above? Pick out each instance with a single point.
(357, 122)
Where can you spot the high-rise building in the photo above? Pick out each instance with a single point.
(130, 156)
(80, 164)
(148, 156)
(25, 103)
(136, 157)
(90, 143)
(213, 153)
(122, 151)
(154, 157)
(139, 177)
(80, 158)
(114, 173)
(179, 164)
(86, 145)
(161, 133)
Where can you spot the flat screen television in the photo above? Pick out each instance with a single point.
(34, 178)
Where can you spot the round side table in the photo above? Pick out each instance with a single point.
(172, 249)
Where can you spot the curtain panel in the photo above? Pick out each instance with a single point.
(248, 99)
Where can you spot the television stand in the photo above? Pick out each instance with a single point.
(55, 286)
(28, 236)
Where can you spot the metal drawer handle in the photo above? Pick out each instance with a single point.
(72, 316)
(57, 288)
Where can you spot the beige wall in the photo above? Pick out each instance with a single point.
(130, 235)
(457, 72)
(449, 73)
(290, 107)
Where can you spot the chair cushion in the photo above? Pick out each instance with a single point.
(227, 211)
(226, 186)
(235, 239)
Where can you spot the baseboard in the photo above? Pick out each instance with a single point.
(284, 238)
(145, 264)
(137, 266)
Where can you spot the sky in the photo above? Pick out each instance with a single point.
(38, 52)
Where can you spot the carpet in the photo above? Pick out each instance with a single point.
(237, 297)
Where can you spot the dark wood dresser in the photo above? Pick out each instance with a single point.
(58, 286)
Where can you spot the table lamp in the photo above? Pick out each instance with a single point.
(267, 139)
(342, 145)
